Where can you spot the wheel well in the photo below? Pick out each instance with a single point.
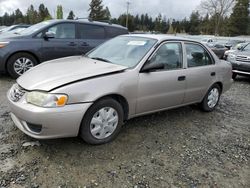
(27, 52)
(220, 85)
(121, 100)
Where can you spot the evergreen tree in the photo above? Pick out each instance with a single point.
(71, 15)
(43, 13)
(195, 23)
(96, 10)
(59, 12)
(32, 15)
(107, 15)
(239, 19)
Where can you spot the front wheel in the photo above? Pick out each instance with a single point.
(102, 122)
(211, 99)
(19, 63)
(234, 75)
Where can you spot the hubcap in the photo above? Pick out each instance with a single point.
(213, 98)
(104, 123)
(22, 64)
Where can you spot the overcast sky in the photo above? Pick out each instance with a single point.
(170, 8)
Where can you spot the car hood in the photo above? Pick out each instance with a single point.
(244, 53)
(52, 74)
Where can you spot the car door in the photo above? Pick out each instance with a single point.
(163, 88)
(89, 36)
(200, 72)
(63, 44)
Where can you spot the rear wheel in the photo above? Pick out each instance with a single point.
(19, 63)
(102, 122)
(211, 99)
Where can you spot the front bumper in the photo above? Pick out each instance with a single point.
(241, 67)
(54, 122)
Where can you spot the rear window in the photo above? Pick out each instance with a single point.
(113, 32)
(88, 31)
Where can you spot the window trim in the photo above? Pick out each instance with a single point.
(157, 48)
(202, 46)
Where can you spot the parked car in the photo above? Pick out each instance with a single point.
(219, 50)
(240, 61)
(235, 48)
(50, 40)
(14, 27)
(232, 43)
(125, 77)
(208, 41)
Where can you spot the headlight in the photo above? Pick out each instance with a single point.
(3, 44)
(231, 56)
(44, 99)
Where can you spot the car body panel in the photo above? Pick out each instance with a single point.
(63, 71)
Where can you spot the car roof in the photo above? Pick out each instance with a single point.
(88, 22)
(161, 37)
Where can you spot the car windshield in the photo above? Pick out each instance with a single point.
(123, 50)
(34, 28)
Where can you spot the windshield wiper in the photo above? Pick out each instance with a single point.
(101, 59)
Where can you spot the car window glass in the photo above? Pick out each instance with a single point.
(197, 56)
(247, 48)
(63, 31)
(87, 31)
(170, 54)
(113, 32)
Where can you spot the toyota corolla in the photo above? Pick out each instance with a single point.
(126, 77)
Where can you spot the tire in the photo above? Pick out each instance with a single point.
(102, 130)
(234, 75)
(214, 94)
(20, 59)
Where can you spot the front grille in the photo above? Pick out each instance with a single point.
(16, 93)
(243, 58)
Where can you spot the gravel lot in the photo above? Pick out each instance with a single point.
(178, 148)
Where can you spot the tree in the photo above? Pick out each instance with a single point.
(59, 12)
(32, 15)
(107, 15)
(195, 23)
(71, 15)
(43, 13)
(18, 16)
(239, 20)
(219, 9)
(96, 10)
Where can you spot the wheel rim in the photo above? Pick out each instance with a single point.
(21, 65)
(104, 123)
(213, 98)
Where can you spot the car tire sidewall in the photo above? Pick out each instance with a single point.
(204, 103)
(234, 76)
(12, 60)
(85, 125)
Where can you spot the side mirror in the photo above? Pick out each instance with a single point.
(149, 67)
(49, 35)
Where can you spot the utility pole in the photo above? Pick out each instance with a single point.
(128, 3)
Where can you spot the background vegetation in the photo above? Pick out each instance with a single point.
(219, 17)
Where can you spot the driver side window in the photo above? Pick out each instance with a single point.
(170, 55)
(63, 31)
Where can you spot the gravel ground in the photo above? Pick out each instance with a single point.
(178, 148)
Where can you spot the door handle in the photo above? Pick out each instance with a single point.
(181, 78)
(84, 44)
(71, 44)
(213, 73)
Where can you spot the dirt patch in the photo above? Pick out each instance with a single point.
(178, 148)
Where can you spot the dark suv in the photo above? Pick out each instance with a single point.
(50, 40)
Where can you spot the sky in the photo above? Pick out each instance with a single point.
(177, 9)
